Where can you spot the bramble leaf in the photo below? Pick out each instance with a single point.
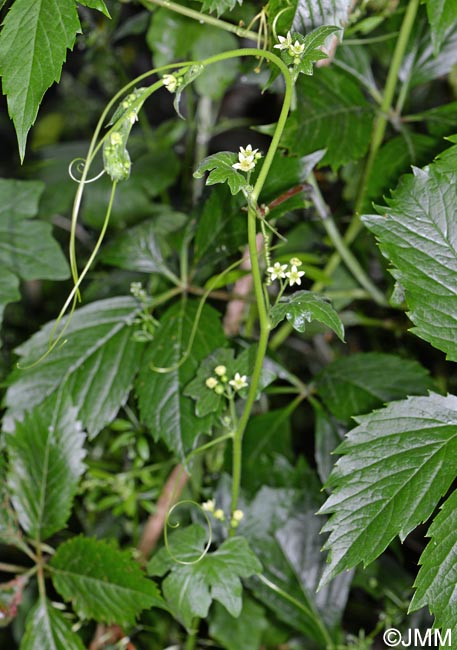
(169, 414)
(417, 234)
(190, 588)
(33, 46)
(27, 248)
(46, 454)
(395, 467)
(303, 307)
(102, 582)
(334, 115)
(47, 629)
(361, 382)
(220, 170)
(95, 367)
(435, 582)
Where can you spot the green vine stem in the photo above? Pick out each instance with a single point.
(202, 18)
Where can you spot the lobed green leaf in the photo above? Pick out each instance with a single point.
(395, 467)
(47, 629)
(221, 170)
(303, 307)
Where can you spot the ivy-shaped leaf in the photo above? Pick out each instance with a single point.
(417, 233)
(303, 307)
(47, 629)
(102, 582)
(27, 248)
(95, 367)
(220, 167)
(45, 452)
(395, 467)
(33, 46)
(190, 588)
(168, 413)
(435, 582)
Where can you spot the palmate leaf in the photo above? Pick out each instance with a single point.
(435, 582)
(47, 629)
(102, 582)
(442, 14)
(334, 115)
(395, 467)
(361, 382)
(190, 588)
(418, 234)
(312, 52)
(45, 464)
(33, 46)
(303, 307)
(220, 170)
(169, 414)
(27, 248)
(95, 367)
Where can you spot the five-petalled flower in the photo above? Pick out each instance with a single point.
(277, 271)
(294, 49)
(170, 82)
(247, 158)
(294, 275)
(238, 382)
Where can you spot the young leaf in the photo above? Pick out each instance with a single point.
(396, 465)
(169, 414)
(442, 14)
(47, 629)
(190, 588)
(435, 582)
(95, 367)
(334, 115)
(27, 248)
(102, 582)
(46, 453)
(33, 46)
(418, 235)
(303, 307)
(312, 52)
(362, 382)
(220, 167)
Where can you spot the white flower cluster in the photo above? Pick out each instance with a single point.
(217, 384)
(171, 82)
(247, 158)
(287, 272)
(295, 50)
(218, 513)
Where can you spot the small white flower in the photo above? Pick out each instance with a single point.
(247, 158)
(238, 515)
(296, 50)
(170, 82)
(285, 42)
(209, 505)
(220, 371)
(238, 382)
(294, 261)
(132, 116)
(277, 271)
(294, 276)
(211, 382)
(219, 514)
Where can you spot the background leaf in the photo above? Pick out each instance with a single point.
(425, 258)
(303, 307)
(361, 382)
(95, 367)
(435, 582)
(334, 115)
(168, 413)
(45, 464)
(442, 14)
(309, 14)
(33, 45)
(102, 582)
(99, 5)
(47, 629)
(396, 465)
(245, 631)
(27, 248)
